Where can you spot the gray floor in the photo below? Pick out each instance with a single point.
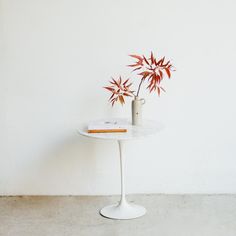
(175, 215)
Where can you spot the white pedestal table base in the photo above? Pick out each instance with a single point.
(123, 210)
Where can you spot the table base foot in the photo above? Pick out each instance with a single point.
(123, 211)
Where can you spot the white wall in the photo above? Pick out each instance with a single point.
(56, 56)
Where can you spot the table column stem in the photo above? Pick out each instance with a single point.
(123, 199)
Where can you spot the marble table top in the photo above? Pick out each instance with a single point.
(149, 127)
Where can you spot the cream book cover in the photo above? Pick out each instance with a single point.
(106, 126)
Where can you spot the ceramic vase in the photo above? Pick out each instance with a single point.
(137, 105)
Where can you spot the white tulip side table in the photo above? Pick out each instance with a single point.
(124, 210)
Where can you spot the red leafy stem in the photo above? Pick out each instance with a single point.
(153, 71)
(119, 90)
(148, 69)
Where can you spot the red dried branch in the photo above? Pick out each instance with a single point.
(119, 90)
(152, 68)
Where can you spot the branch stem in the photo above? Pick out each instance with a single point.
(139, 87)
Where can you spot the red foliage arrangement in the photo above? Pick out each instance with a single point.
(150, 69)
(119, 89)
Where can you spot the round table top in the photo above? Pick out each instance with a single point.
(149, 127)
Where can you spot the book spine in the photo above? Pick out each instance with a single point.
(107, 130)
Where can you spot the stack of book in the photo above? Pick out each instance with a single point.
(109, 126)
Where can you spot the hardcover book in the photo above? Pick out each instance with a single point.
(107, 126)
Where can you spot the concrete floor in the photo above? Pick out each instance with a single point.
(168, 215)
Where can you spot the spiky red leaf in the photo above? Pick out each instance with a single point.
(109, 88)
(136, 56)
(138, 68)
(145, 59)
(168, 72)
(158, 91)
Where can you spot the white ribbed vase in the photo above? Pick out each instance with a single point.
(137, 104)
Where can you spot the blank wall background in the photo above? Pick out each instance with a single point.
(57, 55)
